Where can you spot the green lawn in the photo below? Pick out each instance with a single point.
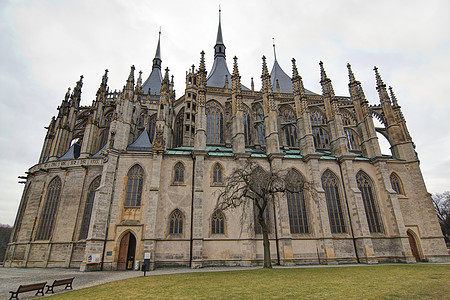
(366, 282)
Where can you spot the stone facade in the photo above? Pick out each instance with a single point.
(162, 159)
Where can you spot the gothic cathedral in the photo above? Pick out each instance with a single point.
(135, 175)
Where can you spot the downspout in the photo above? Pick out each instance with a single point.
(348, 212)
(276, 230)
(191, 241)
(109, 212)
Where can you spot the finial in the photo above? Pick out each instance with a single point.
(235, 66)
(67, 96)
(253, 85)
(323, 75)
(351, 76)
(294, 69)
(380, 82)
(202, 61)
(166, 75)
(274, 52)
(265, 71)
(393, 97)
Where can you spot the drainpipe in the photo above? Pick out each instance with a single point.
(276, 229)
(191, 241)
(109, 212)
(348, 212)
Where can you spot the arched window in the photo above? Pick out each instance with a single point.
(176, 222)
(290, 131)
(214, 123)
(88, 208)
(134, 186)
(49, 212)
(178, 173)
(366, 187)
(352, 139)
(179, 125)
(396, 184)
(319, 131)
(247, 128)
(151, 127)
(105, 132)
(260, 128)
(330, 185)
(347, 118)
(217, 223)
(297, 205)
(217, 174)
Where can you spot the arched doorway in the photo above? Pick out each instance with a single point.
(413, 245)
(127, 252)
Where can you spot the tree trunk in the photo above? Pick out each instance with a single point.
(267, 258)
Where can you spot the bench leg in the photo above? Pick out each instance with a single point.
(41, 291)
(69, 285)
(49, 289)
(13, 295)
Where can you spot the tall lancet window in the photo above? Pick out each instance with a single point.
(88, 208)
(247, 128)
(214, 123)
(48, 216)
(335, 215)
(365, 185)
(134, 186)
(104, 134)
(176, 222)
(260, 128)
(296, 204)
(151, 127)
(396, 184)
(349, 123)
(179, 125)
(290, 131)
(320, 134)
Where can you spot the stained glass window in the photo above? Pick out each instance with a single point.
(49, 212)
(88, 208)
(335, 215)
(366, 187)
(134, 186)
(176, 222)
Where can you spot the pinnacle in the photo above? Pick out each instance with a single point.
(393, 97)
(351, 76)
(265, 71)
(202, 61)
(380, 82)
(294, 69)
(235, 67)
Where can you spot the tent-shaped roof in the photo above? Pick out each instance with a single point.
(142, 143)
(72, 153)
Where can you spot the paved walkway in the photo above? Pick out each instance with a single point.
(11, 278)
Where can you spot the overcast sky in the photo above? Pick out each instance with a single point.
(46, 45)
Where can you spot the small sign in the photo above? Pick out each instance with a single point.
(93, 258)
(136, 265)
(147, 255)
(108, 253)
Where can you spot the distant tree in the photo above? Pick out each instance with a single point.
(252, 185)
(5, 233)
(442, 206)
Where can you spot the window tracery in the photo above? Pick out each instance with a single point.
(134, 186)
(295, 197)
(366, 187)
(217, 174)
(396, 184)
(290, 130)
(176, 222)
(48, 216)
(214, 123)
(320, 134)
(178, 173)
(88, 208)
(217, 223)
(335, 215)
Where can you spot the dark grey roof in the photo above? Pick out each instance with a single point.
(72, 153)
(284, 80)
(98, 155)
(216, 77)
(153, 82)
(142, 143)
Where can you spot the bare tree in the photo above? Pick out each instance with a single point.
(251, 184)
(442, 206)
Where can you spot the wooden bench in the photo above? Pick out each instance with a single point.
(57, 282)
(29, 287)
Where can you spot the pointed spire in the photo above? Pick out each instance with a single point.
(219, 48)
(327, 87)
(104, 84)
(202, 61)
(351, 76)
(157, 60)
(294, 69)
(139, 82)
(265, 76)
(381, 88)
(130, 80)
(235, 67)
(265, 71)
(76, 95)
(67, 96)
(274, 51)
(393, 97)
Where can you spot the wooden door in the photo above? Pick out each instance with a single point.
(123, 252)
(413, 245)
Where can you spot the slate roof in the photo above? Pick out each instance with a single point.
(155, 78)
(142, 143)
(284, 80)
(72, 153)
